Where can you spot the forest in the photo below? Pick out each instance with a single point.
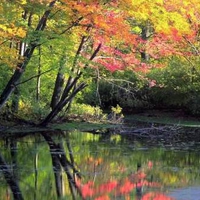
(72, 71)
(80, 58)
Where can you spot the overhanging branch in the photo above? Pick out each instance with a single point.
(33, 77)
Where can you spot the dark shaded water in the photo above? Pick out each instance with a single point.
(80, 165)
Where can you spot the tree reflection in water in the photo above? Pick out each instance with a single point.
(116, 188)
(98, 184)
(10, 179)
(59, 161)
(123, 188)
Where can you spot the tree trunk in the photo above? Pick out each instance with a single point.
(71, 88)
(10, 87)
(146, 32)
(15, 101)
(58, 88)
(61, 104)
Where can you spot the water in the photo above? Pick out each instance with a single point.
(80, 165)
(189, 193)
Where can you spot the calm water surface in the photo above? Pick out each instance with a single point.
(80, 165)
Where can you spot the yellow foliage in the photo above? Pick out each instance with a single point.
(9, 56)
(117, 109)
(12, 31)
(162, 14)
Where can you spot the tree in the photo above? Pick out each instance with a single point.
(86, 34)
(27, 53)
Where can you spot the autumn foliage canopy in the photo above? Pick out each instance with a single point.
(112, 35)
(119, 26)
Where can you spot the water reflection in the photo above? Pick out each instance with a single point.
(79, 165)
(60, 162)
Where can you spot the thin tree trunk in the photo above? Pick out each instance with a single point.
(15, 101)
(39, 76)
(146, 32)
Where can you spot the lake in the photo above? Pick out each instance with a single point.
(106, 165)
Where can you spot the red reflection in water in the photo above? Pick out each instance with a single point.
(136, 181)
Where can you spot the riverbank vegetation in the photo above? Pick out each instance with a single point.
(87, 60)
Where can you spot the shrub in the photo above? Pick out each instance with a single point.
(86, 112)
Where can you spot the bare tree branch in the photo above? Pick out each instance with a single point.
(33, 77)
